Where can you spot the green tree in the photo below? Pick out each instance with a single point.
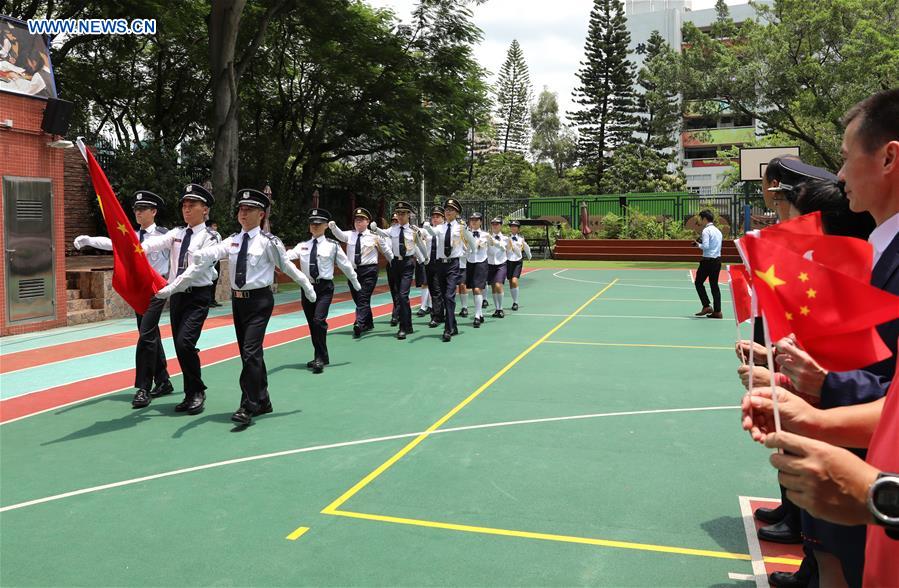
(605, 93)
(513, 97)
(637, 168)
(659, 106)
(550, 139)
(502, 175)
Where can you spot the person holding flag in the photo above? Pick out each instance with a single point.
(253, 255)
(148, 367)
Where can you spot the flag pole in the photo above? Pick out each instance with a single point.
(771, 371)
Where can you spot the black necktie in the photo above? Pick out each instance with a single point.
(448, 240)
(240, 273)
(182, 254)
(313, 260)
(142, 234)
(402, 242)
(357, 259)
(434, 248)
(477, 234)
(514, 238)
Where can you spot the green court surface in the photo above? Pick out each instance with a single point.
(591, 438)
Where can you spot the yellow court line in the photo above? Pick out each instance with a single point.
(639, 345)
(331, 508)
(297, 534)
(558, 538)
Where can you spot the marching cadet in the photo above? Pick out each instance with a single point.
(391, 283)
(518, 248)
(402, 241)
(476, 268)
(449, 250)
(253, 255)
(148, 366)
(463, 290)
(318, 256)
(430, 245)
(187, 310)
(362, 251)
(496, 264)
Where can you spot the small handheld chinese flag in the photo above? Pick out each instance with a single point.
(740, 293)
(132, 276)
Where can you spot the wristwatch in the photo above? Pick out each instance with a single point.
(883, 502)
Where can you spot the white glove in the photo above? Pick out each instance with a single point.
(310, 294)
(81, 241)
(426, 225)
(332, 225)
(165, 292)
(462, 223)
(356, 286)
(373, 226)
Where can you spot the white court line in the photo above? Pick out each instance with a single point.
(752, 541)
(347, 444)
(556, 275)
(621, 316)
(733, 576)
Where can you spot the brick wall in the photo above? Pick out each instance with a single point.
(24, 153)
(81, 218)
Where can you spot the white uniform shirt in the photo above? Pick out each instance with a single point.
(881, 237)
(159, 260)
(265, 252)
(393, 234)
(477, 245)
(456, 249)
(371, 244)
(328, 254)
(496, 253)
(201, 238)
(518, 248)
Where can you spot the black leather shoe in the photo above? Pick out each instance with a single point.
(705, 310)
(410, 330)
(455, 331)
(495, 314)
(514, 306)
(787, 580)
(311, 364)
(779, 533)
(318, 367)
(463, 313)
(502, 313)
(162, 389)
(141, 399)
(433, 324)
(182, 406)
(480, 319)
(401, 335)
(421, 312)
(197, 404)
(771, 516)
(447, 337)
(483, 304)
(394, 322)
(357, 331)
(264, 408)
(476, 324)
(242, 417)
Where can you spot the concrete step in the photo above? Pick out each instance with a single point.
(80, 317)
(79, 304)
(73, 293)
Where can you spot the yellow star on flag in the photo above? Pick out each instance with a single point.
(804, 310)
(803, 277)
(123, 228)
(769, 278)
(100, 204)
(811, 293)
(789, 316)
(138, 248)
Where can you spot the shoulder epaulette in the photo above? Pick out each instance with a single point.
(161, 230)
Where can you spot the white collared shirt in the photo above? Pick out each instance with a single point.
(496, 253)
(328, 254)
(393, 233)
(369, 247)
(202, 237)
(457, 249)
(711, 242)
(881, 237)
(477, 245)
(518, 248)
(159, 260)
(265, 252)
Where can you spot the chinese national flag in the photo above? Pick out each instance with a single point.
(740, 295)
(132, 276)
(847, 255)
(807, 224)
(833, 315)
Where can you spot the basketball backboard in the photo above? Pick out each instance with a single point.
(754, 160)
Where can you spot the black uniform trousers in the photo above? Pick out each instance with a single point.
(448, 277)
(251, 316)
(368, 279)
(391, 283)
(188, 311)
(149, 357)
(437, 310)
(709, 268)
(317, 317)
(402, 270)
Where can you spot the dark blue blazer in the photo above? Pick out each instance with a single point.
(871, 383)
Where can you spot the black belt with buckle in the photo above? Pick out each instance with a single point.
(250, 293)
(195, 289)
(366, 265)
(320, 281)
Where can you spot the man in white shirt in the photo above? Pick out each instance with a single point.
(253, 255)
(362, 250)
(710, 265)
(148, 367)
(402, 241)
(449, 250)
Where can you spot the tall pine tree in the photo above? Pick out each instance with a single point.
(513, 97)
(659, 112)
(551, 139)
(606, 93)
